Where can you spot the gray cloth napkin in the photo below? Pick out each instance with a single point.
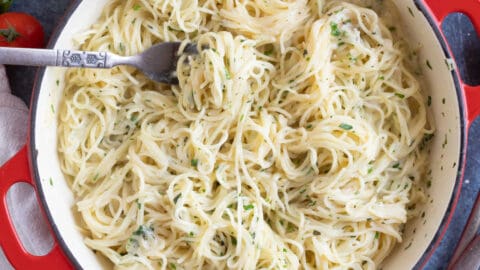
(21, 199)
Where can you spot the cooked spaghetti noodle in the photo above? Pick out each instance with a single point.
(295, 138)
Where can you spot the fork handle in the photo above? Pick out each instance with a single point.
(61, 58)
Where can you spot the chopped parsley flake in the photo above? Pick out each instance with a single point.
(400, 95)
(346, 126)
(194, 162)
(334, 29)
(411, 11)
(248, 207)
(175, 200)
(428, 65)
(227, 74)
(269, 52)
(377, 235)
(134, 118)
(144, 231)
(137, 7)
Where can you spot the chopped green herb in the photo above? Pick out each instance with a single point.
(133, 118)
(194, 162)
(429, 183)
(351, 58)
(137, 7)
(334, 29)
(51, 181)
(284, 250)
(316, 233)
(234, 241)
(191, 234)
(248, 207)
(291, 228)
(58, 82)
(429, 100)
(443, 101)
(396, 166)
(370, 170)
(144, 231)
(269, 52)
(175, 200)
(346, 126)
(139, 205)
(121, 46)
(377, 235)
(227, 74)
(308, 58)
(309, 126)
(305, 52)
(428, 65)
(411, 11)
(381, 78)
(392, 28)
(303, 191)
(132, 245)
(95, 177)
(341, 43)
(291, 81)
(400, 95)
(172, 266)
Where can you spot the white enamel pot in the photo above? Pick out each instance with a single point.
(454, 105)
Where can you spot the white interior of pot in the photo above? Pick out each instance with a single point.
(444, 154)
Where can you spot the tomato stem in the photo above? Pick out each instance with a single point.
(9, 34)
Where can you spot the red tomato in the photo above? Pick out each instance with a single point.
(20, 30)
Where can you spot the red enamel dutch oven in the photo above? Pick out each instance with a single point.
(454, 105)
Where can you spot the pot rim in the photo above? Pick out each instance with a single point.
(429, 251)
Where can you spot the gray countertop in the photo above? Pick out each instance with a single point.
(465, 45)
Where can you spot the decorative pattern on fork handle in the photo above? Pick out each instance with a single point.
(70, 58)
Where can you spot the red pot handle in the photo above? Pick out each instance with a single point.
(14, 171)
(440, 9)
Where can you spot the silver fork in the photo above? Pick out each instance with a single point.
(158, 62)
